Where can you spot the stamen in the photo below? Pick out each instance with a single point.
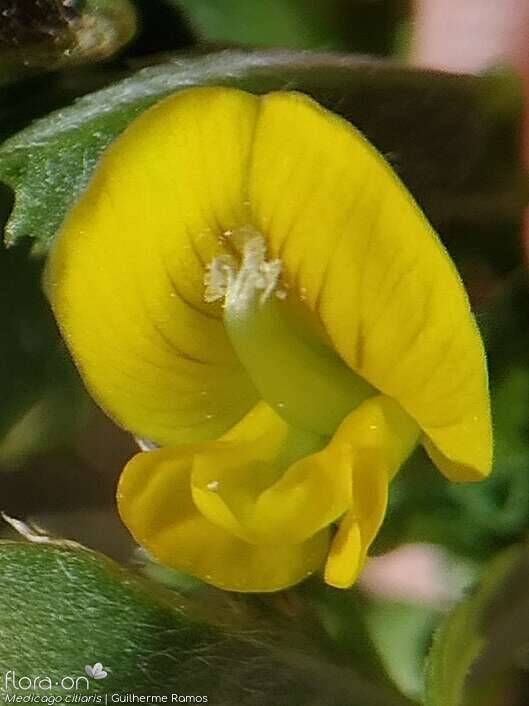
(239, 286)
(219, 274)
(291, 368)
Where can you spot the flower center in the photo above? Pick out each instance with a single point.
(238, 286)
(293, 369)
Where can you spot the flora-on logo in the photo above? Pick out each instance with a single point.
(96, 672)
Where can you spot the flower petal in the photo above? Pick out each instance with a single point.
(357, 248)
(263, 482)
(383, 437)
(359, 526)
(126, 274)
(155, 502)
(344, 562)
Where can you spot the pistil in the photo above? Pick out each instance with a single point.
(293, 370)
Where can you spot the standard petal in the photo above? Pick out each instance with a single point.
(155, 502)
(126, 275)
(357, 249)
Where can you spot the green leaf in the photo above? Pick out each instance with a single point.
(463, 635)
(64, 607)
(453, 139)
(296, 24)
(43, 402)
(51, 417)
(48, 34)
(401, 632)
(337, 621)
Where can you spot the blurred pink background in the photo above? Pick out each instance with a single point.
(473, 35)
(467, 36)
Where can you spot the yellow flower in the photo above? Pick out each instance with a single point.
(246, 283)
